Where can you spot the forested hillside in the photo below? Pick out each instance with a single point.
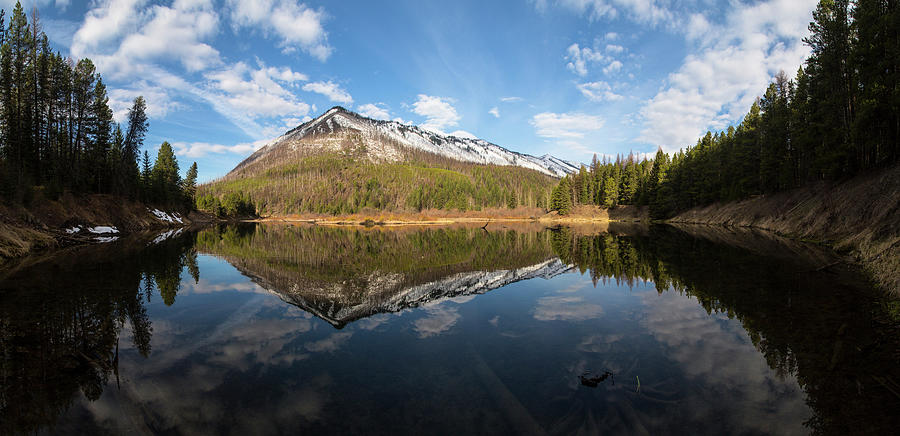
(57, 132)
(838, 117)
(344, 183)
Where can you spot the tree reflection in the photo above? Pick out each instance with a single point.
(344, 274)
(826, 327)
(61, 321)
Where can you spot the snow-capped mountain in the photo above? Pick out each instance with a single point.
(337, 129)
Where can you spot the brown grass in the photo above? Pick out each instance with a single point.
(583, 214)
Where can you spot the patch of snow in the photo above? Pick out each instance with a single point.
(103, 229)
(163, 216)
(105, 239)
(75, 229)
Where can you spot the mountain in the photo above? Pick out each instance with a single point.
(387, 141)
(344, 163)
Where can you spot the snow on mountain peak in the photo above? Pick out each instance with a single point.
(382, 138)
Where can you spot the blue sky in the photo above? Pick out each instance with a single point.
(565, 77)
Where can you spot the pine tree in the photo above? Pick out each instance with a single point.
(134, 140)
(189, 185)
(146, 177)
(165, 176)
(101, 120)
(561, 198)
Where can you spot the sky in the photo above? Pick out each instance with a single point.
(569, 78)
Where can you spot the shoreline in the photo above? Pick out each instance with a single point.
(858, 218)
(580, 215)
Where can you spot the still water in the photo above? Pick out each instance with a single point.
(261, 329)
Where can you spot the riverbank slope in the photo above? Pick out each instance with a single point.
(859, 217)
(78, 219)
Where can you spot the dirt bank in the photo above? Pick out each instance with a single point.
(72, 220)
(859, 217)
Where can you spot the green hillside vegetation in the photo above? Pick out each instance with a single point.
(343, 183)
(837, 118)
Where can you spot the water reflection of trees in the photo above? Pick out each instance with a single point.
(825, 327)
(61, 320)
(343, 274)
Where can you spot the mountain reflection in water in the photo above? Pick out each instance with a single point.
(386, 331)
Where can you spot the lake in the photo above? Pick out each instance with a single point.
(512, 329)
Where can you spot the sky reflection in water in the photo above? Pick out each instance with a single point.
(231, 356)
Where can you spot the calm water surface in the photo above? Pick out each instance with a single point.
(257, 329)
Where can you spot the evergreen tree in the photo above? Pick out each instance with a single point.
(146, 177)
(134, 140)
(561, 197)
(166, 179)
(189, 185)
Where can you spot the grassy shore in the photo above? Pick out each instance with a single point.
(581, 215)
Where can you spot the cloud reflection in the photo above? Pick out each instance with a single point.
(565, 308)
(439, 319)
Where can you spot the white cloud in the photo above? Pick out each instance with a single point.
(439, 113)
(495, 112)
(463, 134)
(731, 65)
(8, 5)
(200, 149)
(598, 91)
(129, 39)
(176, 32)
(105, 23)
(256, 92)
(613, 48)
(122, 34)
(642, 11)
(298, 25)
(613, 67)
(511, 99)
(566, 125)
(579, 58)
(158, 102)
(331, 90)
(374, 110)
(611, 36)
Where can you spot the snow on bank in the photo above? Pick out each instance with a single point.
(102, 229)
(75, 229)
(104, 239)
(162, 216)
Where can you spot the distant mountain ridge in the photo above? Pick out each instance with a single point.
(384, 141)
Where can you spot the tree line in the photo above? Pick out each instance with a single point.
(606, 184)
(838, 117)
(57, 132)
